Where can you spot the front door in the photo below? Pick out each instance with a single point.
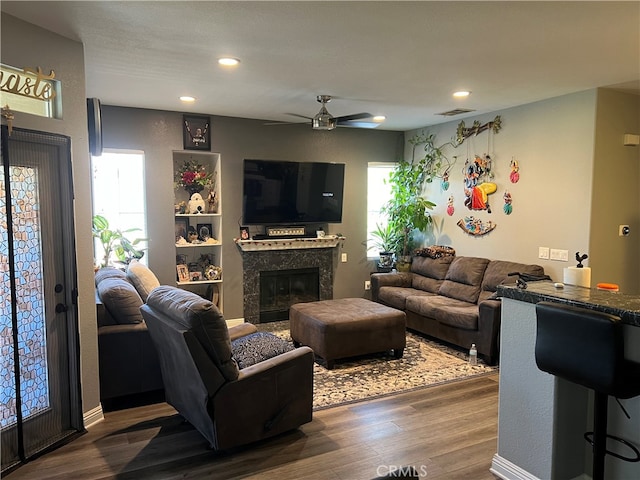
(40, 380)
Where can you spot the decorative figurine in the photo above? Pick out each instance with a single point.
(196, 204)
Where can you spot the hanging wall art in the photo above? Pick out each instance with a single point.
(514, 176)
(507, 208)
(475, 226)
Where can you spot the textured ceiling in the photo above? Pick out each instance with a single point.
(399, 59)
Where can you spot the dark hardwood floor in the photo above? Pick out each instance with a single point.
(446, 432)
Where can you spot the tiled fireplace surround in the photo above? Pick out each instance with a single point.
(258, 261)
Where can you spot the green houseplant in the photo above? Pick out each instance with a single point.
(386, 241)
(408, 209)
(114, 242)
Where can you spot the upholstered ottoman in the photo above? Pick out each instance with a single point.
(347, 327)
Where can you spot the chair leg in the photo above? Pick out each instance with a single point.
(599, 434)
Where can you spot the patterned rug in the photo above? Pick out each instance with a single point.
(425, 362)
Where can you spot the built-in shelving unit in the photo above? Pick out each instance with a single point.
(201, 253)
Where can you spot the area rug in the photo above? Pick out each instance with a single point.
(424, 363)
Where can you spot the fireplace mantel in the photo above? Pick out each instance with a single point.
(329, 241)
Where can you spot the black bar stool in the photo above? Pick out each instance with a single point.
(587, 347)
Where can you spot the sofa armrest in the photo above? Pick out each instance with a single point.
(128, 361)
(268, 398)
(392, 279)
(489, 317)
(241, 330)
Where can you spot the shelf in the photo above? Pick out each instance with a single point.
(199, 245)
(330, 241)
(198, 214)
(199, 282)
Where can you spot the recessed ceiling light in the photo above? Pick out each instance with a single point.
(186, 98)
(461, 94)
(379, 118)
(228, 61)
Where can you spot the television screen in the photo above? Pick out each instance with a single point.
(292, 193)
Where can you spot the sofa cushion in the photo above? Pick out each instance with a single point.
(120, 299)
(396, 296)
(142, 278)
(109, 272)
(202, 318)
(448, 311)
(464, 278)
(257, 347)
(429, 273)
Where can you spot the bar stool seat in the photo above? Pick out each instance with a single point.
(587, 347)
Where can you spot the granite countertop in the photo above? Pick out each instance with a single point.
(627, 307)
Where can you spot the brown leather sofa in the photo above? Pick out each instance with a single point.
(200, 358)
(128, 361)
(452, 298)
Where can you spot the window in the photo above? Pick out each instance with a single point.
(378, 193)
(119, 193)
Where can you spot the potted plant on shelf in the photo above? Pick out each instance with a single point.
(407, 210)
(385, 240)
(114, 242)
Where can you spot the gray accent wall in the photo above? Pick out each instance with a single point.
(158, 133)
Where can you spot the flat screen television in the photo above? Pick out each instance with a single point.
(292, 193)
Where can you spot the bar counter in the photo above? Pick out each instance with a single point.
(542, 419)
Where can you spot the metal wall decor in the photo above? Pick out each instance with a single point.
(196, 132)
(462, 133)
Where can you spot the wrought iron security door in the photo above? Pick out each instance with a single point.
(39, 377)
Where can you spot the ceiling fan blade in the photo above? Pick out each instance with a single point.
(355, 116)
(360, 124)
(298, 115)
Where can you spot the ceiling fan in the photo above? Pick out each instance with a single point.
(323, 120)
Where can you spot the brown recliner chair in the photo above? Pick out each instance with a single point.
(228, 405)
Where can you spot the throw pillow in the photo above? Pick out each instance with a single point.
(142, 278)
(257, 347)
(121, 300)
(109, 272)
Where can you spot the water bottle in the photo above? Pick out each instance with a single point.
(473, 355)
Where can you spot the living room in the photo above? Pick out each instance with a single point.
(569, 149)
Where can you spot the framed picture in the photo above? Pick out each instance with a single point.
(196, 132)
(183, 273)
(195, 276)
(244, 233)
(182, 226)
(205, 231)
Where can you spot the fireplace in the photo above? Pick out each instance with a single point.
(260, 265)
(279, 289)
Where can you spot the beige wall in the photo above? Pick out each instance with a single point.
(553, 142)
(25, 45)
(616, 196)
(158, 133)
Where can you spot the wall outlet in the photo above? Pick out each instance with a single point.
(367, 284)
(543, 252)
(559, 255)
(344, 258)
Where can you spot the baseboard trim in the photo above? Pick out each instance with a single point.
(93, 416)
(234, 321)
(503, 468)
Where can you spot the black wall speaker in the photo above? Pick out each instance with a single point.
(94, 118)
